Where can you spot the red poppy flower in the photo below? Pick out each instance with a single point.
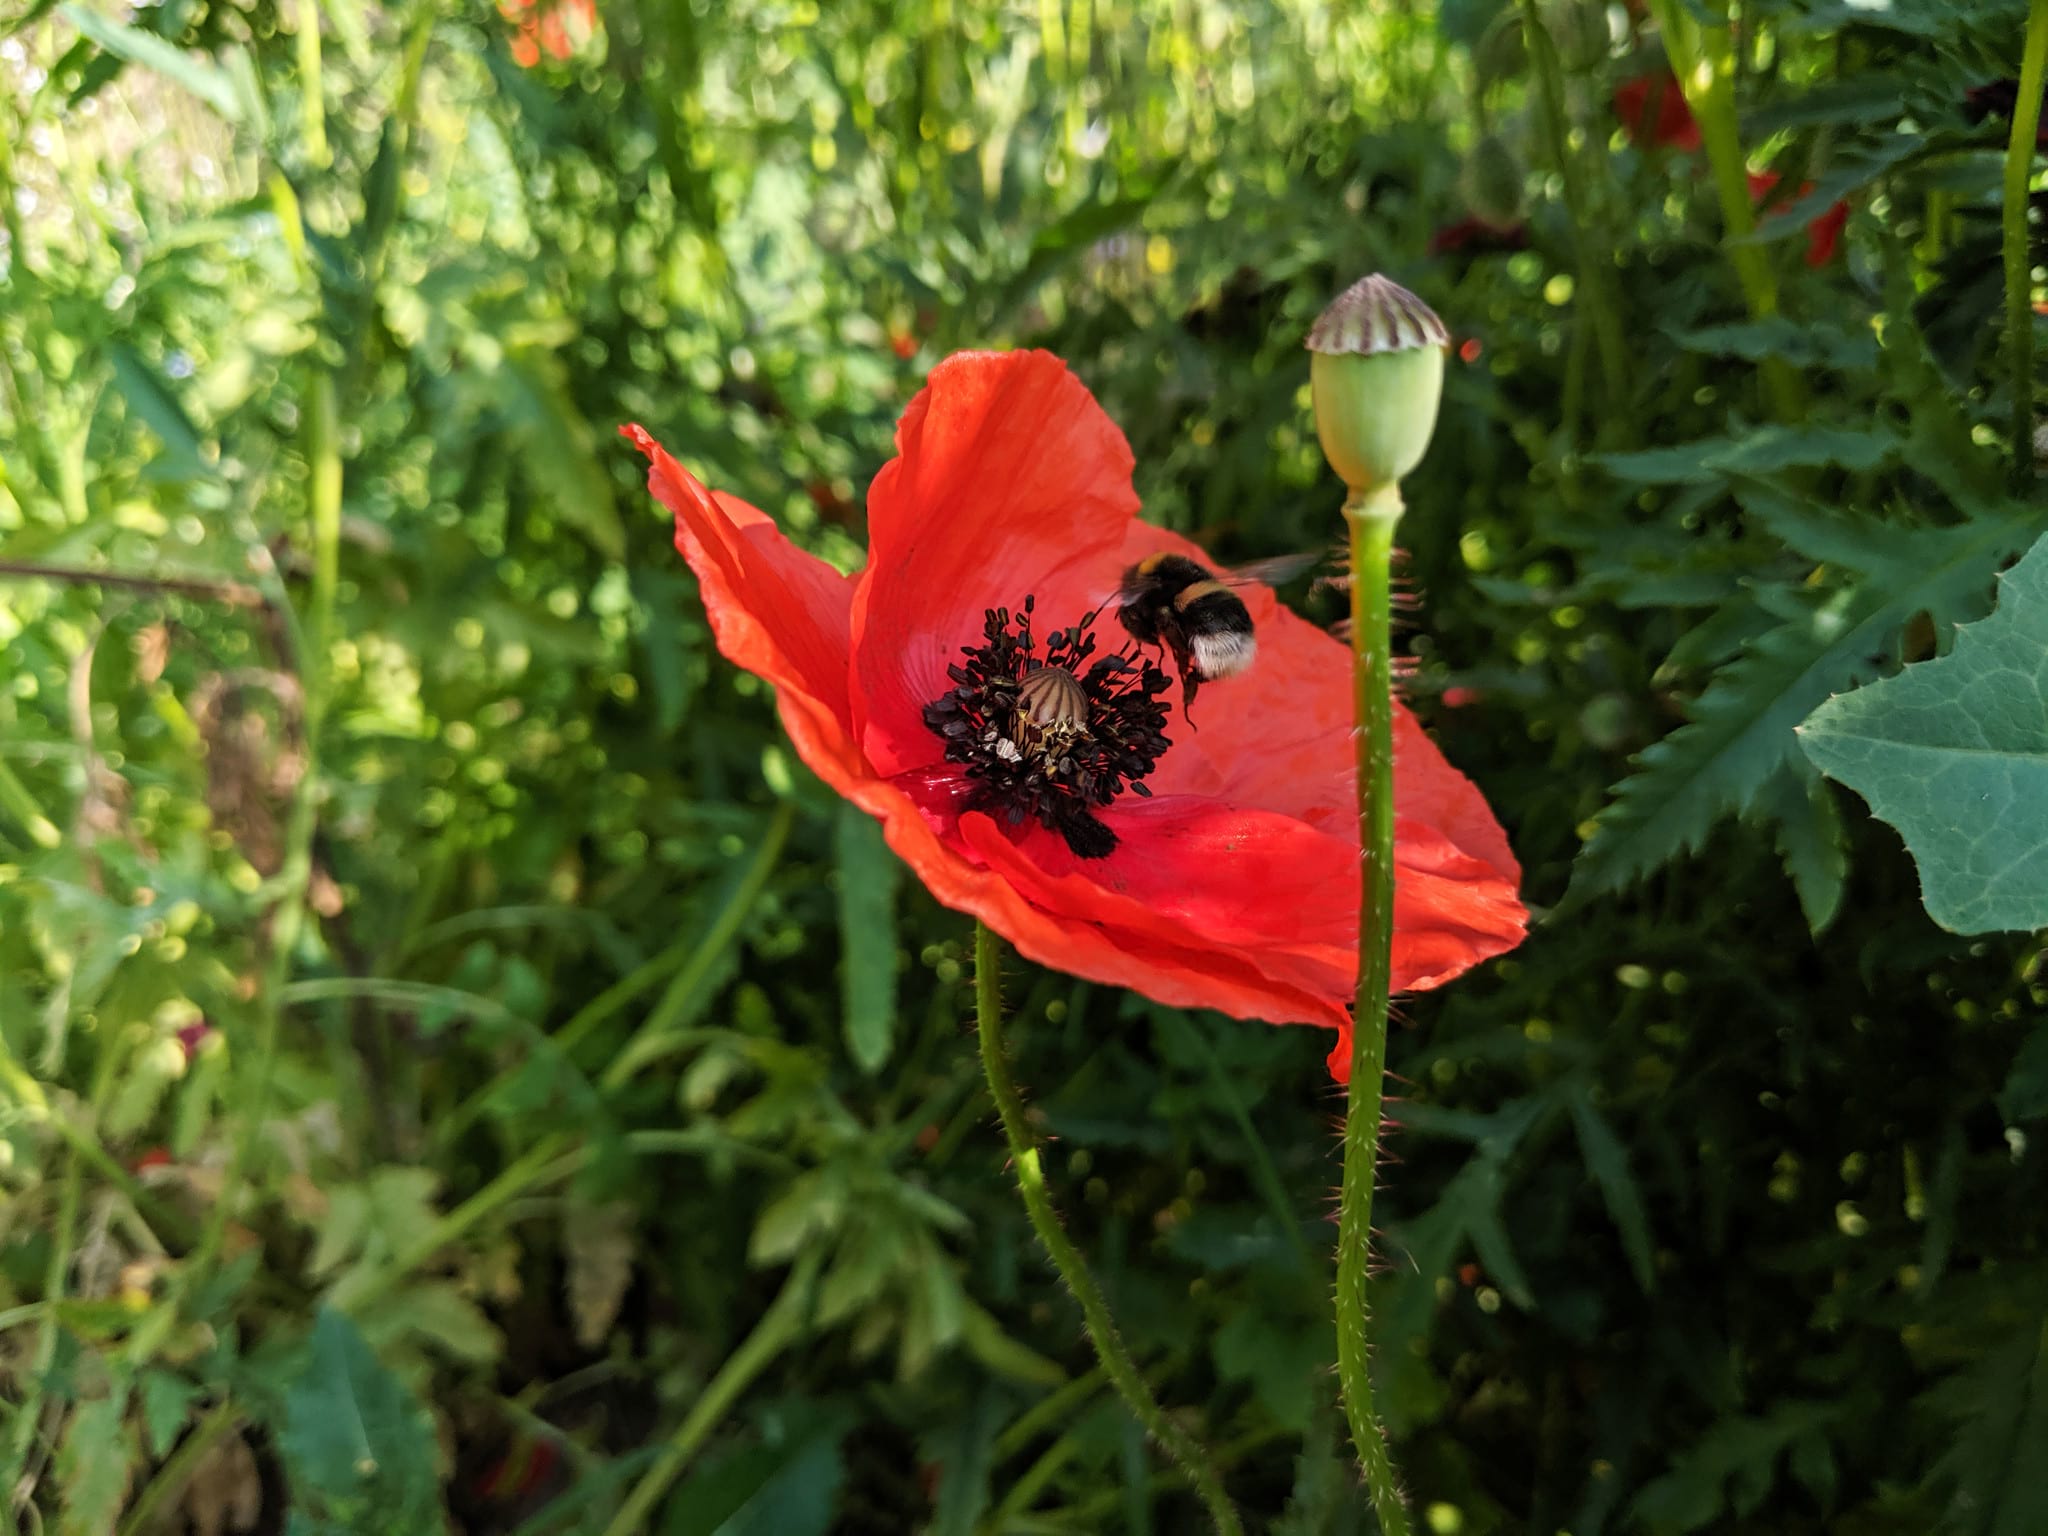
(1228, 877)
(555, 27)
(1652, 109)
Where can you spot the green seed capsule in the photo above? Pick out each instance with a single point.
(1376, 380)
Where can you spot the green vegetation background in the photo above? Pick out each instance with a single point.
(438, 1016)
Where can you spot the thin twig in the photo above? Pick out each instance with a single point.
(236, 594)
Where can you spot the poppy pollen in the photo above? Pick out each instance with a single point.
(1052, 735)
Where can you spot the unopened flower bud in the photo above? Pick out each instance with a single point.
(1376, 379)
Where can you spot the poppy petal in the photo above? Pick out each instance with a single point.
(775, 610)
(1009, 479)
(1152, 949)
(1278, 737)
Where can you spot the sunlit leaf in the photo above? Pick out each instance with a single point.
(1954, 753)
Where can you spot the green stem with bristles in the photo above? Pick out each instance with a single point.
(2019, 266)
(1102, 1333)
(1371, 516)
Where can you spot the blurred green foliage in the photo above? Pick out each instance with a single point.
(431, 993)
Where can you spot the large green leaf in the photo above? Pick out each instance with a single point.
(1954, 753)
(358, 1450)
(868, 876)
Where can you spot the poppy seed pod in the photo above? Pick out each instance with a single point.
(1376, 379)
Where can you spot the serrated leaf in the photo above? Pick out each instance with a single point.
(1607, 1160)
(166, 1405)
(2000, 1406)
(93, 1467)
(435, 1312)
(1853, 171)
(1280, 1360)
(1761, 452)
(1800, 345)
(868, 877)
(1811, 841)
(1733, 1464)
(209, 84)
(598, 1241)
(1742, 728)
(1954, 753)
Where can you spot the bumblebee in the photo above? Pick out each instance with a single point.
(1170, 600)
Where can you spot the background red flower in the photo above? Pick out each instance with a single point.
(1652, 108)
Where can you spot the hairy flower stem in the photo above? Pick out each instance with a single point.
(2019, 283)
(1109, 1346)
(1371, 516)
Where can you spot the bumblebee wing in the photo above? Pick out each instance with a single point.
(1271, 573)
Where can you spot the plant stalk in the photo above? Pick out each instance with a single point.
(1371, 516)
(1109, 1345)
(1703, 60)
(780, 1326)
(2019, 267)
(1598, 303)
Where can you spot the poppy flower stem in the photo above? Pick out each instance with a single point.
(1371, 515)
(2019, 286)
(1109, 1345)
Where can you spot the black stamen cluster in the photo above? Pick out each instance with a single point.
(1064, 776)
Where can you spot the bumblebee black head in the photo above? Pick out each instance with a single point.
(1145, 596)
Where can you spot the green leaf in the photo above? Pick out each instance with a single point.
(2025, 1094)
(986, 1341)
(965, 1452)
(1801, 345)
(153, 403)
(1733, 1465)
(1761, 452)
(93, 1466)
(559, 450)
(1607, 1161)
(356, 1445)
(1954, 753)
(786, 1487)
(868, 877)
(167, 1400)
(1741, 731)
(1279, 1358)
(1811, 840)
(209, 84)
(2000, 1407)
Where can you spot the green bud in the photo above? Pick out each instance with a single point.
(1376, 378)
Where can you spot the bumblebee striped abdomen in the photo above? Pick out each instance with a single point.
(1218, 627)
